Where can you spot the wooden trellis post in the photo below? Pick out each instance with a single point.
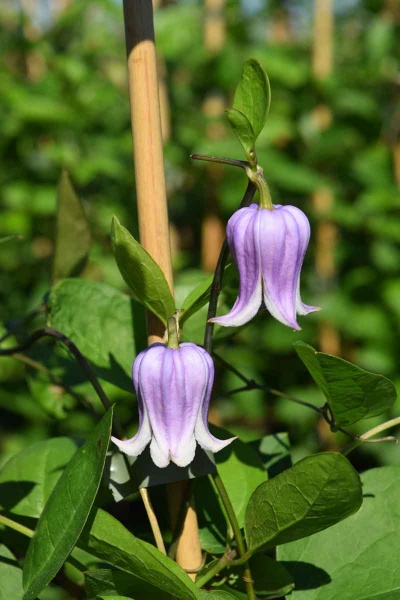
(326, 233)
(152, 204)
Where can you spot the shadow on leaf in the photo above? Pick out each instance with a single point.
(306, 575)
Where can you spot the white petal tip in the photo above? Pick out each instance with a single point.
(129, 448)
(214, 445)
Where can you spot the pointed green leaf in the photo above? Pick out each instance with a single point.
(356, 559)
(73, 239)
(253, 95)
(66, 511)
(242, 128)
(351, 392)
(109, 540)
(314, 494)
(141, 273)
(216, 595)
(28, 478)
(10, 576)
(107, 582)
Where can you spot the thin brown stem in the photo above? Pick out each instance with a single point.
(219, 273)
(153, 520)
(220, 159)
(324, 411)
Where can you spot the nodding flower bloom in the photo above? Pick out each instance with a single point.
(268, 247)
(173, 387)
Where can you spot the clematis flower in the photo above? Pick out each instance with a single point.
(173, 387)
(268, 247)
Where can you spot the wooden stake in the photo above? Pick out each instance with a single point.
(326, 234)
(323, 38)
(150, 189)
(213, 229)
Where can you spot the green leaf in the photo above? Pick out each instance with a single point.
(28, 478)
(10, 576)
(241, 471)
(314, 494)
(351, 392)
(52, 398)
(73, 239)
(216, 595)
(105, 324)
(109, 540)
(103, 582)
(274, 451)
(141, 273)
(357, 558)
(242, 128)
(114, 597)
(253, 95)
(66, 511)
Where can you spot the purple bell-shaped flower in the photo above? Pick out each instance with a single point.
(268, 247)
(173, 387)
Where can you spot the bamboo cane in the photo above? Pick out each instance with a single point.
(151, 198)
(329, 339)
(213, 230)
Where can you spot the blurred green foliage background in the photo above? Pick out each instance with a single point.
(331, 146)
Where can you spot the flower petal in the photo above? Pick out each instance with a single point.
(304, 238)
(202, 434)
(135, 445)
(191, 382)
(243, 247)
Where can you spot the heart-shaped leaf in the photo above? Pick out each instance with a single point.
(314, 494)
(351, 392)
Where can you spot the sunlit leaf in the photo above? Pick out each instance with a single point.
(109, 540)
(28, 478)
(357, 558)
(253, 95)
(10, 576)
(141, 273)
(104, 324)
(314, 494)
(351, 392)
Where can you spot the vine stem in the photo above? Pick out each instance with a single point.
(241, 547)
(324, 411)
(208, 334)
(366, 437)
(219, 273)
(223, 562)
(30, 533)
